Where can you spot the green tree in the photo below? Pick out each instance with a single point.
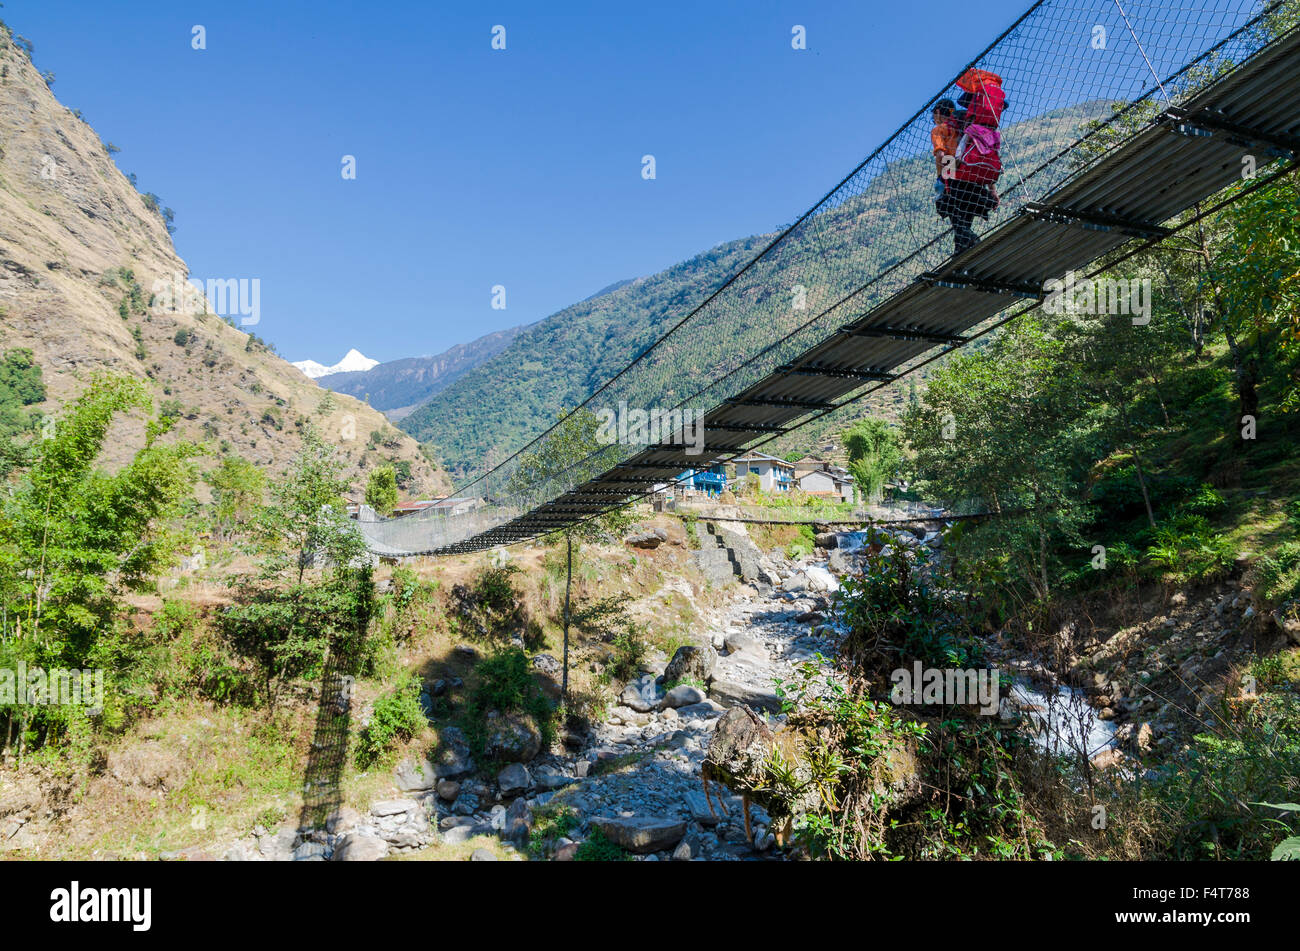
(21, 386)
(1256, 273)
(875, 453)
(238, 488)
(572, 454)
(996, 431)
(381, 490)
(305, 523)
(282, 619)
(75, 539)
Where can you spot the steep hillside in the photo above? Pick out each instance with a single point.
(398, 386)
(561, 360)
(85, 267)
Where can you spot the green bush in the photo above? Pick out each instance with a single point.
(607, 619)
(1279, 574)
(598, 848)
(1205, 797)
(492, 607)
(506, 685)
(550, 823)
(397, 716)
(1190, 550)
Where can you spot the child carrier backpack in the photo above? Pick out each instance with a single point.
(977, 155)
(983, 97)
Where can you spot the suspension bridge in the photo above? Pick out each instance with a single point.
(1122, 115)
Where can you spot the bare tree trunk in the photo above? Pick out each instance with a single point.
(568, 584)
(1142, 484)
(1137, 458)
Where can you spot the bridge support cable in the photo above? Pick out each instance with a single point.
(865, 284)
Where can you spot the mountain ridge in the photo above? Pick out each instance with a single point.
(498, 406)
(87, 273)
(354, 361)
(401, 385)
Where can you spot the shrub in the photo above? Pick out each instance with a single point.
(607, 620)
(397, 716)
(1204, 801)
(1190, 550)
(491, 607)
(506, 685)
(803, 545)
(598, 848)
(629, 651)
(381, 490)
(1279, 574)
(550, 823)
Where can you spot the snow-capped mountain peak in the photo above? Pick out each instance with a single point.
(354, 360)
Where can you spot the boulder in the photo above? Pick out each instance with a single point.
(518, 821)
(687, 849)
(1290, 626)
(393, 807)
(705, 708)
(641, 835)
(458, 835)
(547, 664)
(733, 693)
(739, 642)
(513, 738)
(840, 562)
(1108, 759)
(642, 694)
(683, 695)
(360, 848)
(700, 811)
(466, 804)
(278, 847)
(827, 540)
(342, 820)
(650, 539)
(415, 775)
(715, 565)
(548, 777)
(691, 663)
(451, 757)
(482, 855)
(513, 780)
(448, 789)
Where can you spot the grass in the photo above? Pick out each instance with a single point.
(460, 852)
(237, 772)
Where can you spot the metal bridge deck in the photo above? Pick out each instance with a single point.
(1180, 158)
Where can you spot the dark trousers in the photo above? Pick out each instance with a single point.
(960, 203)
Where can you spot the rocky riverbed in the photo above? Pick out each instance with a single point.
(635, 776)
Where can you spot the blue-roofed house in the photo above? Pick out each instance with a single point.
(712, 482)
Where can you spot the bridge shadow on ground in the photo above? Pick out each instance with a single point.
(321, 791)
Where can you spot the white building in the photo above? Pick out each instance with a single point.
(830, 482)
(773, 474)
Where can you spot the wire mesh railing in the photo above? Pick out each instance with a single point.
(1076, 78)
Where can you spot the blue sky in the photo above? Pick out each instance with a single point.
(478, 167)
